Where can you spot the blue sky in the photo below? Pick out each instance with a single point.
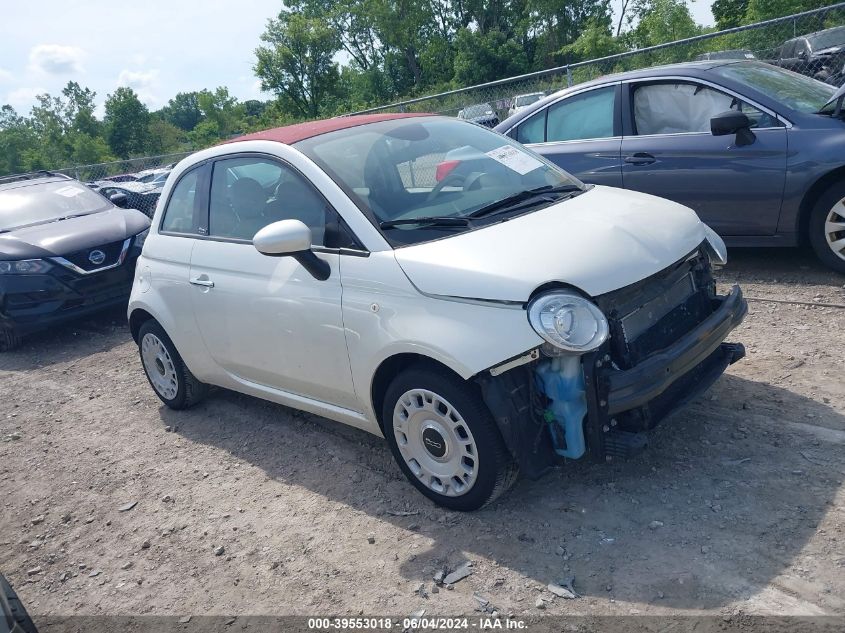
(157, 48)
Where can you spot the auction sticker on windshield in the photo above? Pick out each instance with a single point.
(514, 159)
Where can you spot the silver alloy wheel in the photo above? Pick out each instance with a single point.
(435, 442)
(159, 366)
(834, 229)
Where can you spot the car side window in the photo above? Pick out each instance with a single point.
(787, 50)
(533, 129)
(248, 193)
(678, 108)
(583, 116)
(179, 214)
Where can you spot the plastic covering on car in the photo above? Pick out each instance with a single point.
(673, 108)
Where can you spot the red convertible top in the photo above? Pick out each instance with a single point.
(291, 134)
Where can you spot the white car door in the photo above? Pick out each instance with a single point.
(266, 320)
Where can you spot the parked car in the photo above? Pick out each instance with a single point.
(65, 251)
(819, 55)
(13, 615)
(752, 148)
(155, 177)
(131, 195)
(481, 330)
(522, 101)
(122, 178)
(481, 113)
(735, 54)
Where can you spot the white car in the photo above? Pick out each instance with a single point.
(484, 324)
(523, 101)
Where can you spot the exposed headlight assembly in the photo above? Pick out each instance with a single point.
(568, 321)
(24, 267)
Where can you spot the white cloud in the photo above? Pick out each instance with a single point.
(54, 59)
(5, 75)
(23, 98)
(144, 82)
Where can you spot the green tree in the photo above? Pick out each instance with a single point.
(663, 21)
(596, 40)
(297, 63)
(183, 111)
(729, 13)
(481, 57)
(16, 137)
(126, 123)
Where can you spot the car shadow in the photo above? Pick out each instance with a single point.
(725, 497)
(69, 341)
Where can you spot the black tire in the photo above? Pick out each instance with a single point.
(9, 339)
(11, 607)
(189, 391)
(497, 470)
(816, 227)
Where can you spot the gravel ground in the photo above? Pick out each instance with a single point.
(246, 507)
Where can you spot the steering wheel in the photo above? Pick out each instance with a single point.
(443, 183)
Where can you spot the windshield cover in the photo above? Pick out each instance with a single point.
(42, 202)
(828, 39)
(429, 167)
(795, 91)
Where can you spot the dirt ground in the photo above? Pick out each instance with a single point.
(737, 507)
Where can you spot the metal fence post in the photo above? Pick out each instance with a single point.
(568, 76)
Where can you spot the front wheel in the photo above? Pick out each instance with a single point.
(445, 440)
(169, 377)
(827, 227)
(9, 339)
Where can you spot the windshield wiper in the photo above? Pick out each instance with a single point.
(447, 221)
(509, 202)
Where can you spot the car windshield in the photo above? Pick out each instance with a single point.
(525, 100)
(828, 39)
(418, 177)
(795, 91)
(37, 203)
(478, 110)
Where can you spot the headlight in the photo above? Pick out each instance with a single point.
(141, 238)
(716, 246)
(24, 267)
(568, 321)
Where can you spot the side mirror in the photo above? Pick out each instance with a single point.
(291, 237)
(733, 122)
(802, 54)
(119, 200)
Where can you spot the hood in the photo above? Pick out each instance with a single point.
(602, 240)
(54, 239)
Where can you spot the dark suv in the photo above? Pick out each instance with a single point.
(818, 55)
(65, 251)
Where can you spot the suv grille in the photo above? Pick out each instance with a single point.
(91, 259)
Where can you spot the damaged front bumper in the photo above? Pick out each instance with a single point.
(628, 385)
(623, 403)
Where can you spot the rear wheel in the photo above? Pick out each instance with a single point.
(445, 440)
(827, 227)
(169, 377)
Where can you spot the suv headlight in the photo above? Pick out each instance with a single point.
(141, 237)
(715, 246)
(568, 321)
(24, 267)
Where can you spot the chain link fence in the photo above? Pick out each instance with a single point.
(800, 42)
(127, 170)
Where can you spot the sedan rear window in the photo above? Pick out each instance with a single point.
(38, 203)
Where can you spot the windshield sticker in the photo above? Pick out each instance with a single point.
(514, 159)
(69, 192)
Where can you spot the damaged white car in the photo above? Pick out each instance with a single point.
(487, 317)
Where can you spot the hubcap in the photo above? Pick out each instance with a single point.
(435, 442)
(159, 366)
(834, 229)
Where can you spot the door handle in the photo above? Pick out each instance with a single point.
(202, 281)
(640, 158)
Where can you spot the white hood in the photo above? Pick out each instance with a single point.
(599, 241)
